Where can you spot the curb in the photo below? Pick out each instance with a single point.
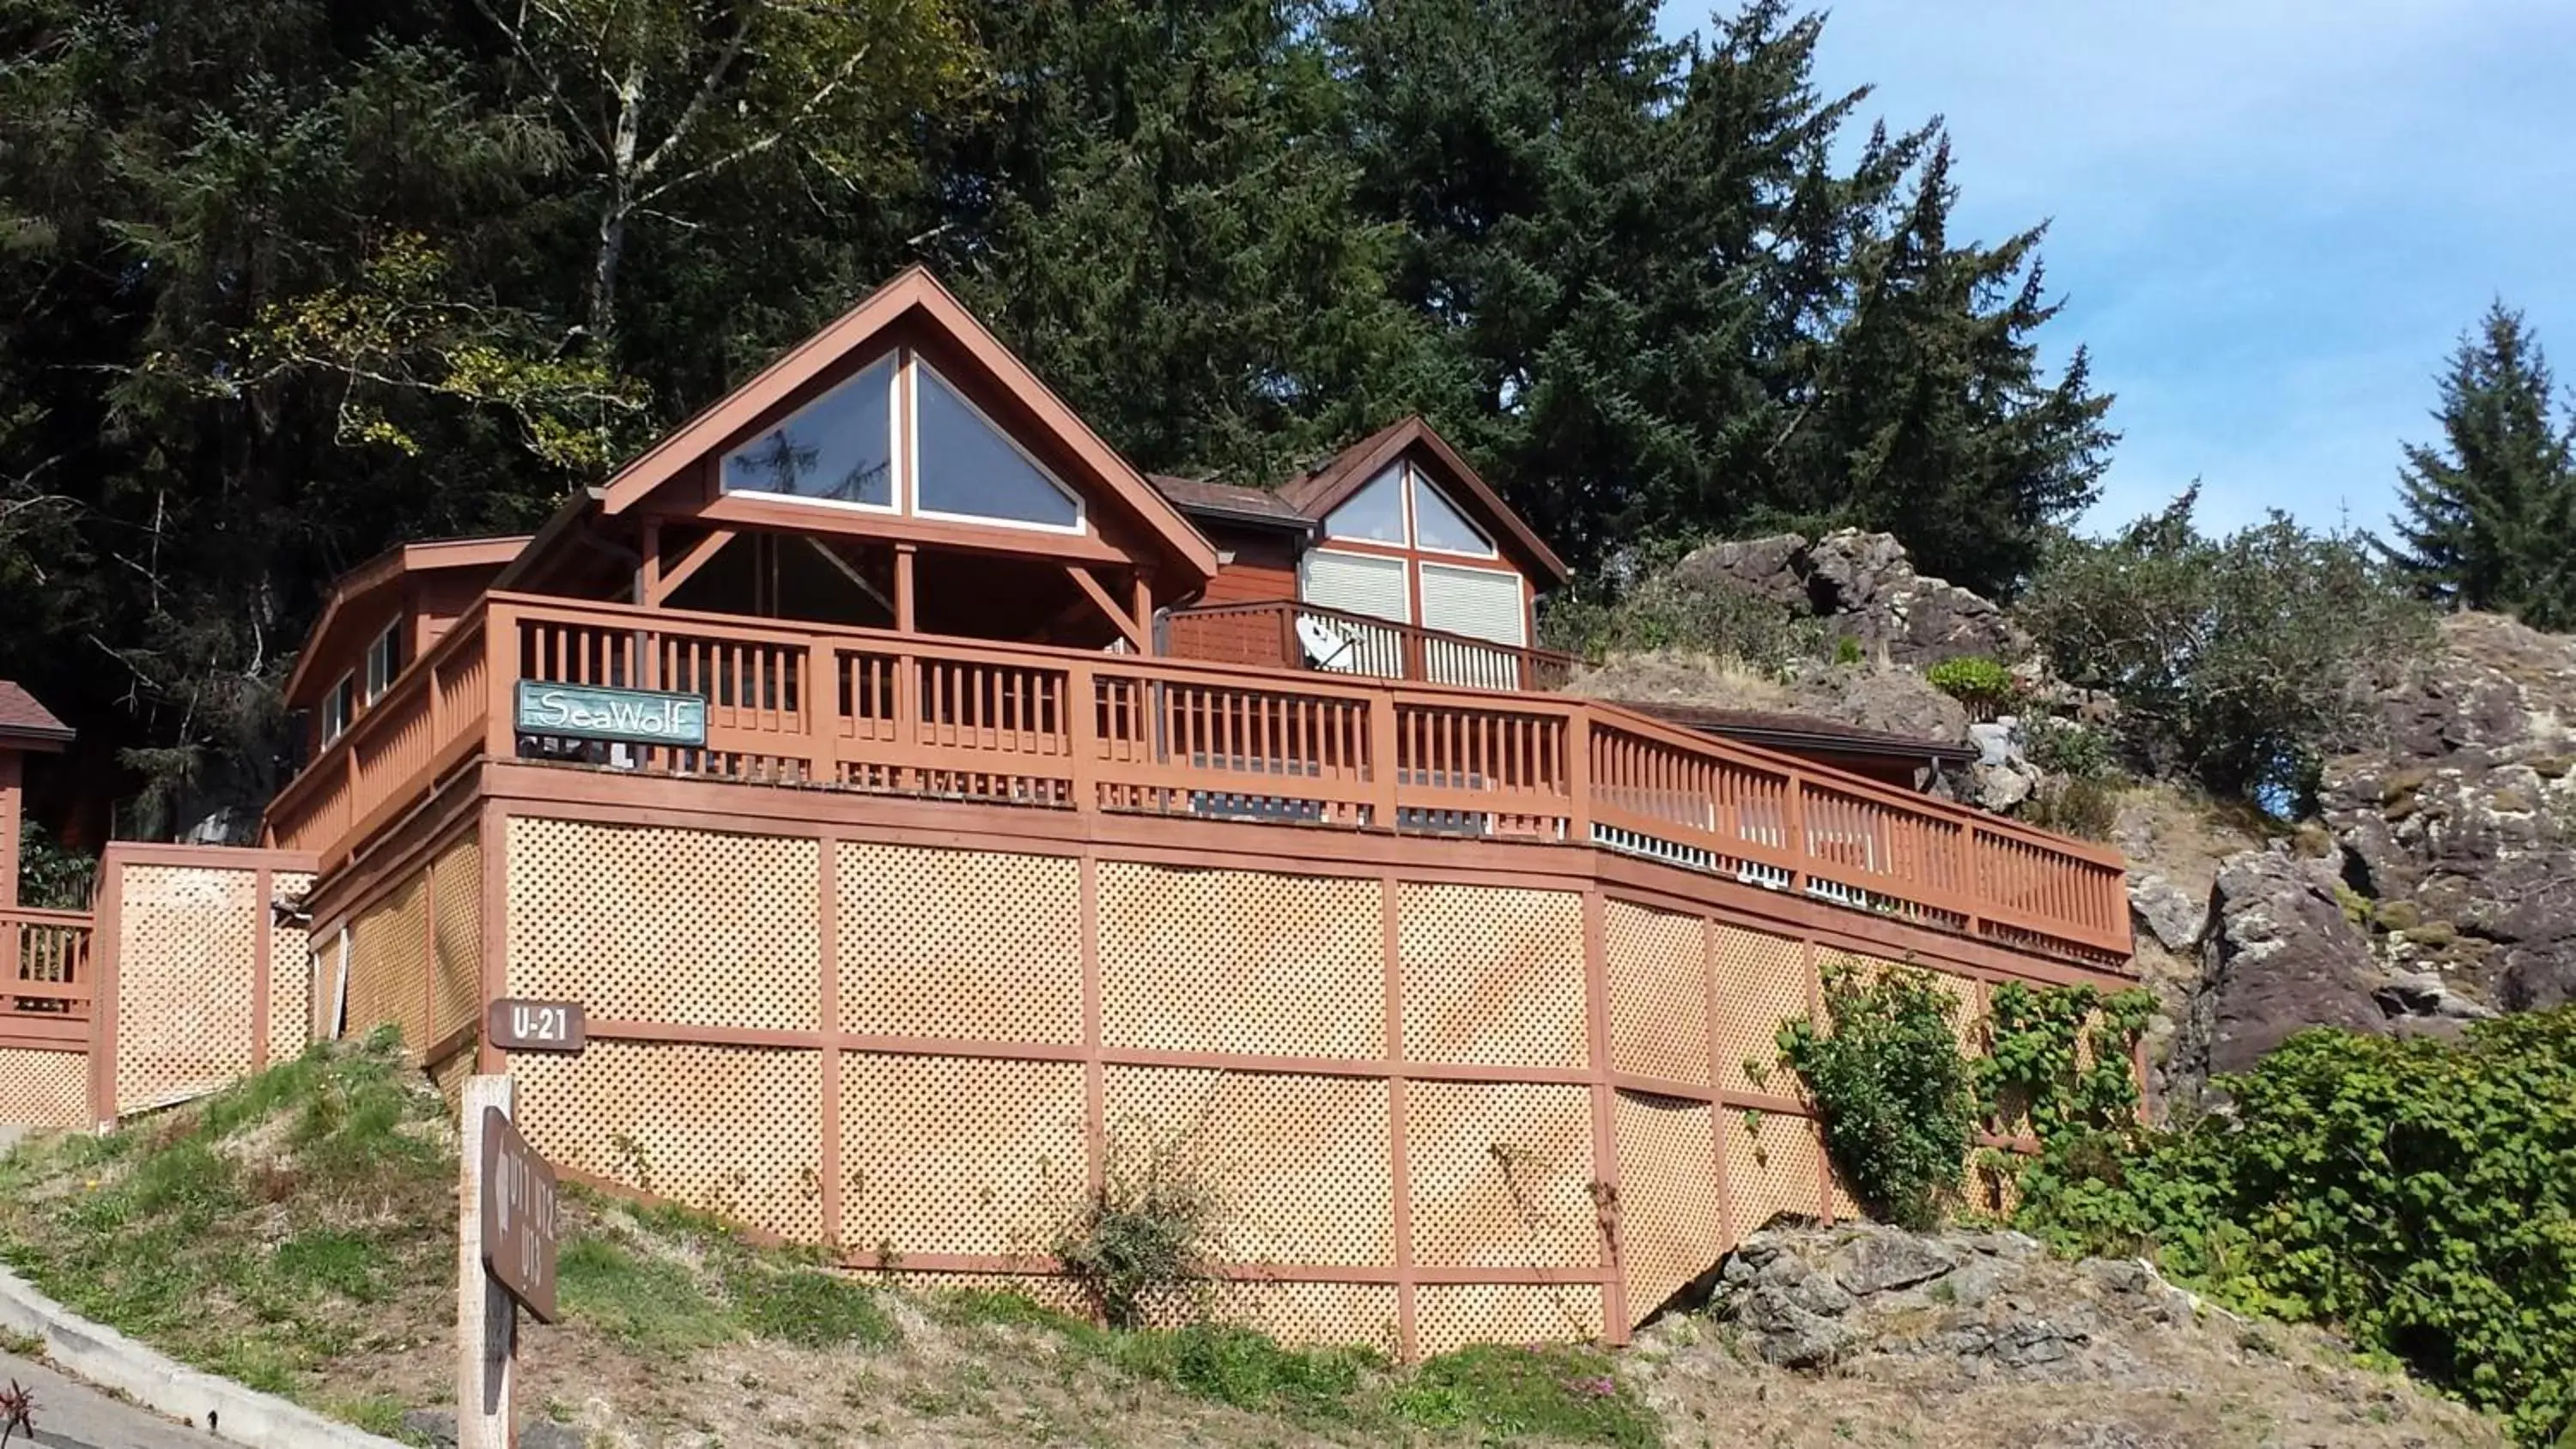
(110, 1360)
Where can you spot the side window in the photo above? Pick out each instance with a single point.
(384, 660)
(1375, 513)
(336, 708)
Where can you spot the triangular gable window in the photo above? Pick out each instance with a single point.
(1375, 513)
(968, 469)
(838, 448)
(1438, 525)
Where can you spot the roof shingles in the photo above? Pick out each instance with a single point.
(24, 720)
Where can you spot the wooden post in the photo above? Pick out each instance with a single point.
(12, 813)
(486, 1319)
(904, 614)
(1141, 602)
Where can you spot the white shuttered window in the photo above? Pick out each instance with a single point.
(1480, 603)
(1356, 583)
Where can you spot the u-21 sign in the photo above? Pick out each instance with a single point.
(591, 712)
(516, 1025)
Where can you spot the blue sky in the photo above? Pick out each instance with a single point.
(2270, 219)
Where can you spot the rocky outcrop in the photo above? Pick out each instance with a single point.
(1862, 587)
(2460, 827)
(2279, 956)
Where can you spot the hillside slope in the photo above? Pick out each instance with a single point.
(296, 1233)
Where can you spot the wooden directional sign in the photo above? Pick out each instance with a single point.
(518, 1216)
(514, 1025)
(590, 712)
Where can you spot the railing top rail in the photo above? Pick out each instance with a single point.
(43, 916)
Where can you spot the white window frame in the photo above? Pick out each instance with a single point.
(896, 405)
(339, 700)
(385, 647)
(912, 462)
(1417, 474)
(1520, 592)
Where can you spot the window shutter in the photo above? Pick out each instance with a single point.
(1355, 583)
(1479, 603)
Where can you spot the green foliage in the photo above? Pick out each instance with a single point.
(2238, 661)
(1709, 618)
(2078, 806)
(1246, 1369)
(647, 1303)
(1144, 1241)
(2069, 750)
(2489, 518)
(2413, 1193)
(1975, 681)
(50, 877)
(2058, 1058)
(807, 1308)
(1563, 1393)
(1890, 1086)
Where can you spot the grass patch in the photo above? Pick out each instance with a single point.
(1248, 1369)
(646, 1303)
(1559, 1392)
(808, 1309)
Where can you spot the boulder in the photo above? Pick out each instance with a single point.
(1880, 1262)
(1862, 587)
(2280, 956)
(2166, 911)
(2463, 814)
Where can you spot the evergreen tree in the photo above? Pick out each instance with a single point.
(2489, 518)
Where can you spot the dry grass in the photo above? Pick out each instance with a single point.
(1674, 676)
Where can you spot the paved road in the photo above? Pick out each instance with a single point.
(72, 1415)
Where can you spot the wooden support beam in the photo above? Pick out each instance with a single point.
(1137, 634)
(690, 562)
(1141, 596)
(905, 556)
(648, 564)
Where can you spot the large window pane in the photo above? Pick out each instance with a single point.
(969, 468)
(839, 446)
(1437, 523)
(1375, 513)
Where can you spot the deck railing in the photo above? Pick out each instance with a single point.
(1266, 634)
(44, 973)
(811, 705)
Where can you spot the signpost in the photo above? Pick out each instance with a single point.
(505, 1255)
(514, 1025)
(592, 712)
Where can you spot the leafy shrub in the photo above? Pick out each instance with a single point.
(1891, 1087)
(1980, 683)
(2417, 1194)
(1716, 619)
(2238, 661)
(2085, 808)
(2058, 1058)
(2063, 747)
(1145, 1239)
(51, 877)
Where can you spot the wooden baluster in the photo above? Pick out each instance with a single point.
(1576, 771)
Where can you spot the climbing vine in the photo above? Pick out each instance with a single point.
(2059, 1059)
(1892, 1091)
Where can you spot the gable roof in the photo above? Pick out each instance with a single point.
(27, 725)
(352, 589)
(1320, 492)
(912, 291)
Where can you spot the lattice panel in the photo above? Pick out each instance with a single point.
(1670, 1228)
(1658, 978)
(449, 1076)
(290, 973)
(1992, 1189)
(1301, 1163)
(957, 943)
(1774, 1167)
(1501, 1174)
(389, 966)
(1453, 1315)
(958, 1155)
(43, 1089)
(1493, 976)
(1839, 1201)
(1241, 961)
(456, 913)
(185, 938)
(708, 929)
(729, 1130)
(1334, 1313)
(1761, 982)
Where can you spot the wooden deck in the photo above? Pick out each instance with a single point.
(806, 706)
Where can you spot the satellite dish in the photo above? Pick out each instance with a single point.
(1325, 649)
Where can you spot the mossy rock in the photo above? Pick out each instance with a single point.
(2430, 933)
(2397, 915)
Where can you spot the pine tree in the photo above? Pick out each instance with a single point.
(2489, 518)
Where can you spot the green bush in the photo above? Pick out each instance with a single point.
(2238, 661)
(1715, 619)
(1975, 681)
(2418, 1195)
(51, 877)
(1144, 1241)
(1891, 1087)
